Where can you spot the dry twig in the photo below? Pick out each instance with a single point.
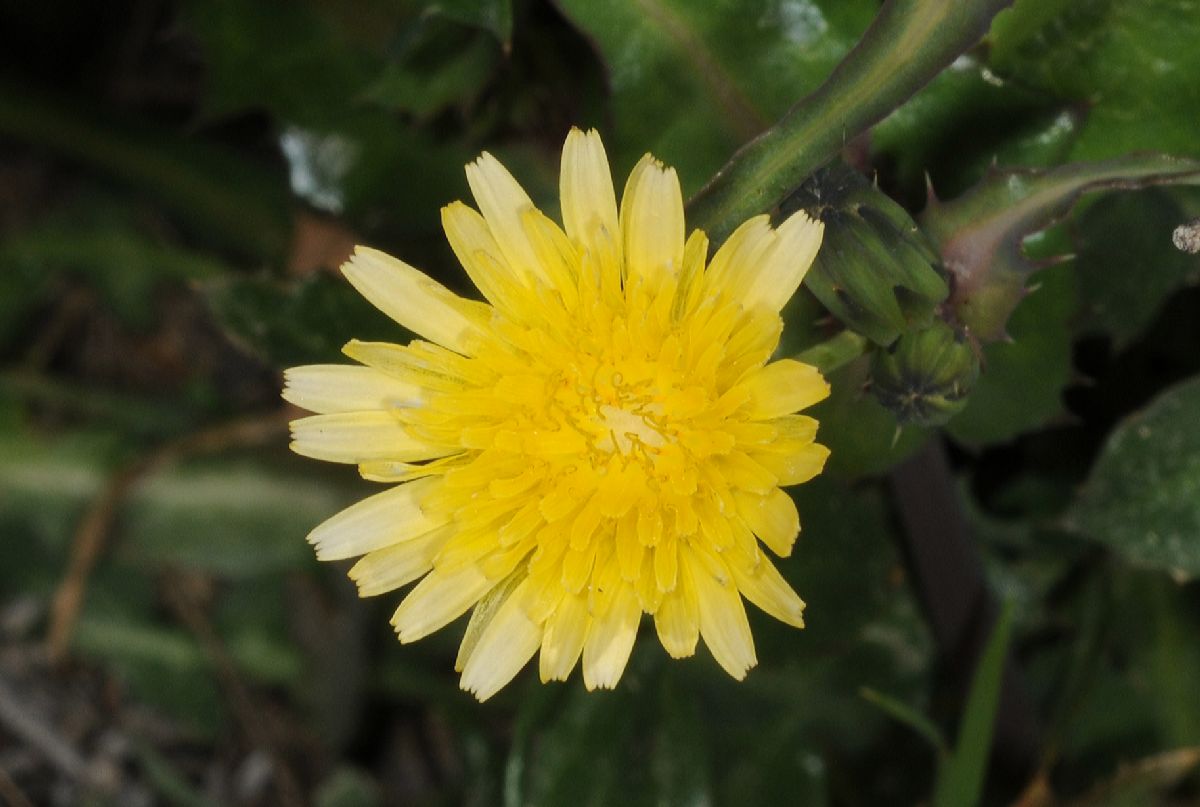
(91, 537)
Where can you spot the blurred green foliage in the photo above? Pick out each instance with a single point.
(178, 180)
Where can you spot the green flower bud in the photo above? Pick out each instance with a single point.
(876, 271)
(924, 378)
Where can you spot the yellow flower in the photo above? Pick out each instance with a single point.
(603, 438)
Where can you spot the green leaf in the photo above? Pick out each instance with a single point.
(297, 322)
(960, 777)
(495, 16)
(903, 713)
(136, 416)
(214, 192)
(275, 55)
(963, 121)
(586, 755)
(1174, 662)
(1141, 497)
(1131, 63)
(1127, 263)
(98, 240)
(775, 765)
(424, 91)
(47, 484)
(232, 519)
(680, 762)
(345, 155)
(1129, 693)
(693, 81)
(841, 566)
(1022, 381)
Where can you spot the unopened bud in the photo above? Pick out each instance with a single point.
(924, 378)
(876, 271)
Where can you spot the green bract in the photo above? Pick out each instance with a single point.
(876, 271)
(924, 378)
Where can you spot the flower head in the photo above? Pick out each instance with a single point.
(603, 438)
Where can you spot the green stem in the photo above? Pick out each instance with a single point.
(909, 42)
(980, 233)
(834, 352)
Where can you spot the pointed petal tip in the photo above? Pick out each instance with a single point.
(741, 675)
(479, 696)
(677, 651)
(593, 684)
(450, 208)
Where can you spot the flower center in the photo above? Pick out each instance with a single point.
(627, 431)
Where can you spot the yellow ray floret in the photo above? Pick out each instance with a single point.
(604, 438)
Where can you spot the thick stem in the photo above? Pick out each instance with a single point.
(948, 572)
(909, 43)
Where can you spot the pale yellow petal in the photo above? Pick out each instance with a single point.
(736, 261)
(417, 363)
(503, 202)
(745, 473)
(557, 262)
(794, 467)
(677, 619)
(482, 614)
(779, 273)
(329, 388)
(396, 472)
(652, 222)
(357, 437)
(766, 588)
(480, 255)
(415, 300)
(772, 517)
(723, 624)
(690, 286)
(377, 521)
(438, 600)
(586, 190)
(783, 387)
(565, 632)
(387, 569)
(610, 639)
(505, 646)
(794, 429)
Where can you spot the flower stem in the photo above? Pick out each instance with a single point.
(908, 43)
(835, 352)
